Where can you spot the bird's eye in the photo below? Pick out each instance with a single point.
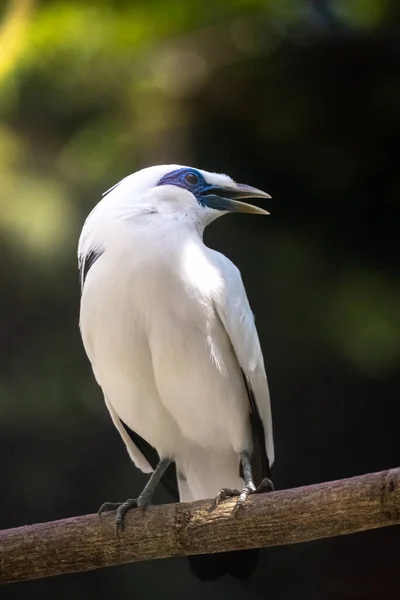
(191, 178)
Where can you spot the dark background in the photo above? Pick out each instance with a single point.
(299, 98)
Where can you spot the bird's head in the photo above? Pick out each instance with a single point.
(183, 192)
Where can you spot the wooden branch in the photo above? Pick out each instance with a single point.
(284, 517)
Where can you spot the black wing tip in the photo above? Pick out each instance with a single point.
(86, 261)
(258, 433)
(169, 479)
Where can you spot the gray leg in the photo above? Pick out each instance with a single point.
(249, 487)
(266, 485)
(143, 500)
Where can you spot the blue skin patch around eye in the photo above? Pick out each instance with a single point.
(197, 188)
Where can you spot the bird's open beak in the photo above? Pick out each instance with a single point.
(228, 199)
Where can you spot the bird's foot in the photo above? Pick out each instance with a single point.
(122, 508)
(223, 494)
(266, 485)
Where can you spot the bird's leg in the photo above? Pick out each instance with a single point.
(249, 487)
(266, 485)
(143, 500)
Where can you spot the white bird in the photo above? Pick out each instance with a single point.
(167, 327)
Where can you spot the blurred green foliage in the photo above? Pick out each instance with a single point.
(91, 91)
(298, 97)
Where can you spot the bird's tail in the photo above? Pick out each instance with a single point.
(238, 563)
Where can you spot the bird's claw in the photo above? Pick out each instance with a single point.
(121, 512)
(241, 501)
(122, 508)
(266, 485)
(223, 494)
(108, 507)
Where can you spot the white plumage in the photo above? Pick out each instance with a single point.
(167, 327)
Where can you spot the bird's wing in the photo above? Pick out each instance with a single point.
(233, 309)
(85, 262)
(137, 443)
(144, 456)
(136, 455)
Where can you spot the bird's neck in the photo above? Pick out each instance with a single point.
(149, 235)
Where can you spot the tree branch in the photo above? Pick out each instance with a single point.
(284, 517)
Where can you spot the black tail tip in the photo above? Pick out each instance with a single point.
(209, 567)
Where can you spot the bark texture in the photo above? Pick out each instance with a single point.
(283, 517)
